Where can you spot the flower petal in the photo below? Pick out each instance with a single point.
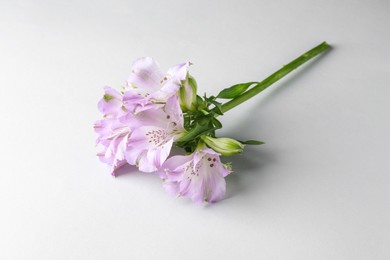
(174, 167)
(216, 187)
(199, 176)
(150, 146)
(174, 113)
(157, 157)
(146, 75)
(179, 71)
(111, 102)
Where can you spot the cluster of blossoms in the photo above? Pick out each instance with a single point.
(155, 111)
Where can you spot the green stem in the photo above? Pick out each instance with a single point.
(275, 77)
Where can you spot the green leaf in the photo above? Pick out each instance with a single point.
(252, 142)
(235, 91)
(201, 104)
(216, 122)
(218, 106)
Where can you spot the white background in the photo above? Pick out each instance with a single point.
(319, 188)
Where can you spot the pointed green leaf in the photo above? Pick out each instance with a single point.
(218, 106)
(216, 122)
(218, 109)
(235, 91)
(252, 142)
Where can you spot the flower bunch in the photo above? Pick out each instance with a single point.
(155, 111)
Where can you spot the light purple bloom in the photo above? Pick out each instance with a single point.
(150, 143)
(199, 176)
(113, 134)
(140, 125)
(113, 138)
(147, 85)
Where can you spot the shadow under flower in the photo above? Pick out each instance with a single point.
(252, 161)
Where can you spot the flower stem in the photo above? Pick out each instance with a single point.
(275, 77)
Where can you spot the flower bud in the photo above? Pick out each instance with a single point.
(224, 146)
(187, 94)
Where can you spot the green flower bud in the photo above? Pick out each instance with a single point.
(225, 146)
(187, 94)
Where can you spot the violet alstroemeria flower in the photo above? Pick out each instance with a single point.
(112, 134)
(147, 110)
(148, 85)
(150, 143)
(199, 176)
(113, 138)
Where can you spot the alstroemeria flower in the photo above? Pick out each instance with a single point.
(148, 85)
(141, 108)
(199, 176)
(113, 138)
(150, 143)
(113, 134)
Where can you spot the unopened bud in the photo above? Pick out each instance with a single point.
(225, 146)
(187, 94)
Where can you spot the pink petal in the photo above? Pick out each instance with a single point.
(216, 187)
(144, 165)
(111, 103)
(132, 155)
(174, 167)
(173, 110)
(146, 74)
(157, 157)
(179, 71)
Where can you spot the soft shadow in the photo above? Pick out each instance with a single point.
(131, 173)
(251, 162)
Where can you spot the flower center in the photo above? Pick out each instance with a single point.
(191, 172)
(157, 137)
